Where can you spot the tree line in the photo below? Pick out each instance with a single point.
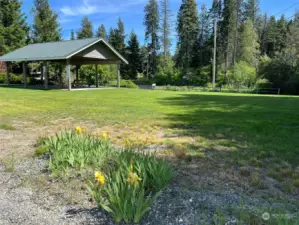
(254, 50)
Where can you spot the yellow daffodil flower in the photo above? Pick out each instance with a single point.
(79, 130)
(133, 179)
(105, 136)
(99, 177)
(127, 143)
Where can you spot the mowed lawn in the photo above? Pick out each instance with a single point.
(262, 123)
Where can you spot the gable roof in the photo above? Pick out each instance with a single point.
(55, 50)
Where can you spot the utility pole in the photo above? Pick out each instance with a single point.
(215, 53)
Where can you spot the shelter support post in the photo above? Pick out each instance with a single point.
(45, 75)
(77, 73)
(25, 74)
(7, 74)
(97, 76)
(118, 75)
(68, 74)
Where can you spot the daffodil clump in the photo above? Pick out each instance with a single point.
(123, 178)
(134, 182)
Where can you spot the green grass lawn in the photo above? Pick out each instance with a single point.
(267, 123)
(253, 137)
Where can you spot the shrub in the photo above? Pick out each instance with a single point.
(242, 75)
(13, 78)
(124, 84)
(2, 78)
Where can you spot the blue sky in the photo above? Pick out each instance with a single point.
(131, 11)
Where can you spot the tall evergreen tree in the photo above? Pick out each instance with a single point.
(45, 27)
(112, 37)
(291, 51)
(228, 30)
(86, 30)
(166, 16)
(249, 46)
(151, 22)
(262, 23)
(187, 29)
(102, 32)
(13, 28)
(271, 34)
(120, 36)
(282, 29)
(133, 56)
(201, 55)
(72, 35)
(216, 10)
(251, 10)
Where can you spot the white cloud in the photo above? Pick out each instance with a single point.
(87, 7)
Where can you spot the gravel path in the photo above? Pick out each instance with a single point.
(23, 205)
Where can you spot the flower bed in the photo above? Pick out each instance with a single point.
(123, 182)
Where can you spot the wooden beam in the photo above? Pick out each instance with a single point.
(97, 76)
(45, 75)
(118, 75)
(25, 74)
(7, 74)
(68, 74)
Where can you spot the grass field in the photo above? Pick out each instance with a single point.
(252, 136)
(265, 123)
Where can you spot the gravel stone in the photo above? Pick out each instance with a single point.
(175, 205)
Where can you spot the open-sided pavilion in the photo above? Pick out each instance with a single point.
(75, 52)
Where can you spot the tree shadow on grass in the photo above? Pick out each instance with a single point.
(262, 122)
(253, 132)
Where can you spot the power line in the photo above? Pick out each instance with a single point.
(287, 9)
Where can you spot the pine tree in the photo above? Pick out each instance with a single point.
(120, 36)
(291, 51)
(216, 10)
(133, 56)
(262, 23)
(282, 28)
(45, 27)
(102, 32)
(228, 30)
(166, 16)
(201, 54)
(86, 30)
(251, 10)
(187, 29)
(271, 37)
(151, 22)
(112, 37)
(13, 28)
(72, 35)
(249, 47)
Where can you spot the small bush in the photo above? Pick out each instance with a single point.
(124, 84)
(13, 78)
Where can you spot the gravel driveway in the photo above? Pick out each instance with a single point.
(23, 205)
